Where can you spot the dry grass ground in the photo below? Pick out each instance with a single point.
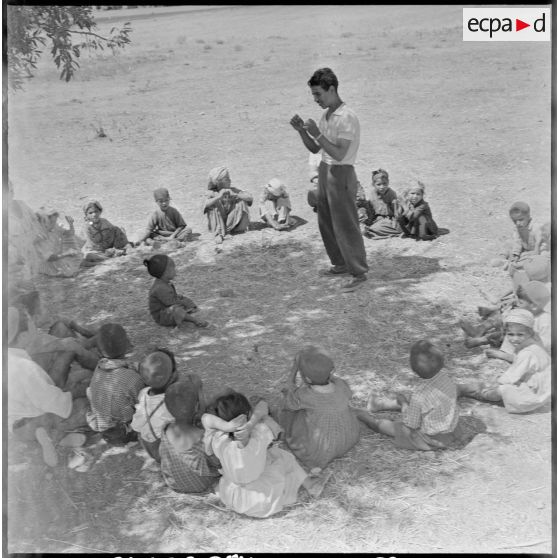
(201, 88)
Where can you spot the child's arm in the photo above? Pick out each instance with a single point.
(175, 233)
(243, 195)
(215, 423)
(291, 377)
(260, 411)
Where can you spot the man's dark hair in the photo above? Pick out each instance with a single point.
(325, 78)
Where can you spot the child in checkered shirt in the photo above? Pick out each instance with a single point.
(158, 371)
(430, 417)
(184, 464)
(114, 387)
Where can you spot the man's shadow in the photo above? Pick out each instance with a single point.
(296, 222)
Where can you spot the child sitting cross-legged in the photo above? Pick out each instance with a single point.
(319, 424)
(158, 371)
(103, 239)
(184, 464)
(167, 307)
(415, 216)
(526, 385)
(166, 223)
(430, 417)
(258, 479)
(114, 387)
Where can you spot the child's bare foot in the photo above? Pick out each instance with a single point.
(374, 403)
(471, 342)
(315, 485)
(202, 323)
(50, 456)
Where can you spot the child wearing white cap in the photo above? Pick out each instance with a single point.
(275, 205)
(526, 385)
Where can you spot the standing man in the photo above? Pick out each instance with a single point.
(338, 136)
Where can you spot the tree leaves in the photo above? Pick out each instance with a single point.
(68, 29)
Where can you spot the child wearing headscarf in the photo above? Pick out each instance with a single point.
(103, 239)
(275, 205)
(415, 217)
(430, 416)
(226, 207)
(166, 223)
(114, 387)
(158, 371)
(318, 422)
(167, 307)
(383, 205)
(526, 385)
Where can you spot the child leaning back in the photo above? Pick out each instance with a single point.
(167, 307)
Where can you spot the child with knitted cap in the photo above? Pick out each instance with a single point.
(415, 216)
(158, 371)
(318, 422)
(526, 385)
(430, 416)
(275, 205)
(103, 239)
(114, 387)
(167, 307)
(166, 223)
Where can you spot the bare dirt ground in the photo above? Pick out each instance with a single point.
(201, 88)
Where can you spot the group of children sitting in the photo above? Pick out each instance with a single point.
(75, 380)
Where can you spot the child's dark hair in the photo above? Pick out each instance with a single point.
(113, 341)
(182, 401)
(324, 78)
(157, 264)
(232, 405)
(426, 359)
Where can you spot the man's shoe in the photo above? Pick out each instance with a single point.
(334, 271)
(354, 283)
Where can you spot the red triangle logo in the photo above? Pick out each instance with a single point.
(519, 25)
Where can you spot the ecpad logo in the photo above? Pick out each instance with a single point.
(506, 24)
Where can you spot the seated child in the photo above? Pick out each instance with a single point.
(258, 479)
(226, 207)
(168, 308)
(383, 207)
(166, 223)
(525, 234)
(184, 464)
(158, 371)
(37, 409)
(53, 352)
(319, 424)
(526, 385)
(430, 417)
(114, 388)
(103, 239)
(275, 205)
(415, 218)
(535, 297)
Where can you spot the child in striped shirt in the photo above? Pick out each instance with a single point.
(114, 387)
